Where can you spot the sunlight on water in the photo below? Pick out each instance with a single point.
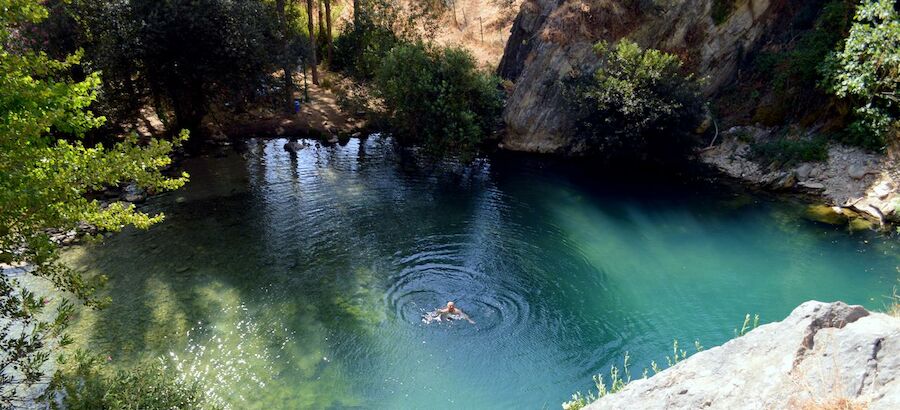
(282, 281)
(229, 359)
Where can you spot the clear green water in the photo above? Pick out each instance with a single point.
(283, 282)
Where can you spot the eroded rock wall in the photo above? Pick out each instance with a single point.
(823, 353)
(552, 40)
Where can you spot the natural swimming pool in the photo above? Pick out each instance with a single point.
(285, 281)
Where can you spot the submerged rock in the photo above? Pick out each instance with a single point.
(822, 353)
(831, 215)
(293, 146)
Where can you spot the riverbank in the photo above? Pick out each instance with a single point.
(822, 356)
(852, 181)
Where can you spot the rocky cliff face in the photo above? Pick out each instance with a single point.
(823, 356)
(552, 39)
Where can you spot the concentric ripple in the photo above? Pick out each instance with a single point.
(439, 270)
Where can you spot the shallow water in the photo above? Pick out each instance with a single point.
(300, 282)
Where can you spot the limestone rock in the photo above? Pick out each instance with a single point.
(804, 171)
(856, 171)
(812, 185)
(869, 185)
(134, 194)
(551, 41)
(821, 352)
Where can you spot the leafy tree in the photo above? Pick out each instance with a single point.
(88, 386)
(437, 96)
(182, 55)
(867, 71)
(379, 25)
(45, 174)
(638, 103)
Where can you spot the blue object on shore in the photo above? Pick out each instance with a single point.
(296, 105)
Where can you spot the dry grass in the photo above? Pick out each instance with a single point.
(480, 26)
(893, 307)
(821, 385)
(836, 403)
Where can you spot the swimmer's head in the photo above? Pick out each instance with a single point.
(451, 305)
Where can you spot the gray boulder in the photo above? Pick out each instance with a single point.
(856, 171)
(820, 354)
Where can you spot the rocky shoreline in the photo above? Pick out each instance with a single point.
(822, 356)
(851, 183)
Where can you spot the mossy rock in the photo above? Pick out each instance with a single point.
(861, 224)
(826, 214)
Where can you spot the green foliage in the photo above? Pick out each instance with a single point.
(638, 103)
(867, 72)
(360, 52)
(379, 26)
(618, 381)
(181, 55)
(798, 66)
(86, 386)
(787, 151)
(437, 96)
(43, 182)
(746, 326)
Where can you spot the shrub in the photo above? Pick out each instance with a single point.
(437, 96)
(787, 151)
(637, 103)
(87, 386)
(865, 70)
(359, 52)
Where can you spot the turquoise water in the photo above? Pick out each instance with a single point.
(282, 281)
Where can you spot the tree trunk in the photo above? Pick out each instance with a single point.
(286, 64)
(328, 31)
(321, 11)
(356, 11)
(312, 42)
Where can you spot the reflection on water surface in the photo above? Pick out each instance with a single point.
(284, 281)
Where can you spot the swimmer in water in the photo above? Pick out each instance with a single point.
(452, 312)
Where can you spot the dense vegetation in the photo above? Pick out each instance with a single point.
(71, 68)
(866, 70)
(87, 385)
(639, 103)
(179, 57)
(437, 96)
(46, 173)
(434, 96)
(829, 68)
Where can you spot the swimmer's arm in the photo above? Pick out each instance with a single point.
(465, 316)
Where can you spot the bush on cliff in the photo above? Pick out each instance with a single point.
(639, 103)
(866, 70)
(437, 96)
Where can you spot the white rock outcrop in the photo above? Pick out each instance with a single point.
(823, 353)
(850, 177)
